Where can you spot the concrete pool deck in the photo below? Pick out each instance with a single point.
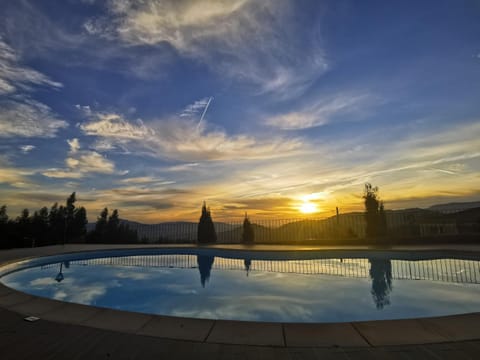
(74, 330)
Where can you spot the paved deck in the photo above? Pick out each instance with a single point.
(77, 331)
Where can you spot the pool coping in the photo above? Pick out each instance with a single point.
(444, 329)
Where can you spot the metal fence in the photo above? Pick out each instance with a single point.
(276, 231)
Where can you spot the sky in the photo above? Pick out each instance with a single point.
(278, 108)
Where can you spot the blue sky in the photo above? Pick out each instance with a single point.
(307, 101)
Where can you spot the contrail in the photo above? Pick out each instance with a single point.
(204, 111)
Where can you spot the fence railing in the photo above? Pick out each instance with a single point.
(345, 226)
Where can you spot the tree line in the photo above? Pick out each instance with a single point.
(61, 224)
(46, 226)
(109, 229)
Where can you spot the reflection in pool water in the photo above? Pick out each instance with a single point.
(381, 275)
(292, 290)
(205, 266)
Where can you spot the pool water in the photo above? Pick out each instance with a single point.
(260, 287)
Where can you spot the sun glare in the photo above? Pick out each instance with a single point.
(306, 205)
(308, 208)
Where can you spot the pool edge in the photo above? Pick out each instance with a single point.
(452, 328)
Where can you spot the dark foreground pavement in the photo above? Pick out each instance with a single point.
(43, 339)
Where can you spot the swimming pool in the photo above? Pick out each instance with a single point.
(334, 286)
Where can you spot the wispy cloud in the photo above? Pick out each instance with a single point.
(74, 145)
(13, 176)
(322, 111)
(27, 148)
(183, 139)
(146, 180)
(19, 114)
(57, 173)
(15, 77)
(28, 118)
(116, 126)
(80, 163)
(139, 180)
(37, 34)
(182, 167)
(145, 199)
(198, 107)
(239, 38)
(90, 162)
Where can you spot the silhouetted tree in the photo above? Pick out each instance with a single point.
(44, 227)
(205, 264)
(40, 227)
(206, 229)
(75, 219)
(109, 229)
(112, 226)
(3, 215)
(101, 225)
(70, 210)
(98, 234)
(374, 213)
(5, 229)
(56, 219)
(248, 235)
(24, 230)
(381, 275)
(8, 231)
(79, 223)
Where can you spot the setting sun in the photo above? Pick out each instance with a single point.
(308, 208)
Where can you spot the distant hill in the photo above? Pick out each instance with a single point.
(455, 206)
(180, 230)
(465, 216)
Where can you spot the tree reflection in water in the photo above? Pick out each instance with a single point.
(247, 263)
(381, 275)
(205, 264)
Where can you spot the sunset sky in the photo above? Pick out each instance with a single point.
(279, 108)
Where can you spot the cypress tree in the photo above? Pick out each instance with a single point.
(248, 235)
(206, 229)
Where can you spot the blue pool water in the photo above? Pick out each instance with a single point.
(260, 286)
